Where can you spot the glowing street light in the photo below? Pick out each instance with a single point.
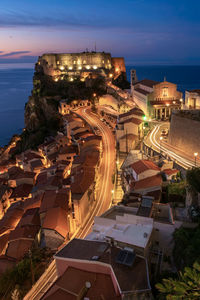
(144, 118)
(195, 158)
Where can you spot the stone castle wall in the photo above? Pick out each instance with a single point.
(76, 61)
(185, 132)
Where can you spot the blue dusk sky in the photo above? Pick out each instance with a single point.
(143, 31)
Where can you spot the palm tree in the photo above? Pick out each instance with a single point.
(186, 287)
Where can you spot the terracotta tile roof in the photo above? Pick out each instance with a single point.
(89, 156)
(17, 249)
(141, 91)
(19, 175)
(22, 191)
(56, 219)
(148, 182)
(147, 82)
(31, 155)
(14, 171)
(85, 250)
(36, 164)
(77, 281)
(30, 217)
(25, 232)
(133, 111)
(33, 202)
(170, 171)
(55, 199)
(72, 149)
(81, 179)
(141, 166)
(131, 120)
(10, 219)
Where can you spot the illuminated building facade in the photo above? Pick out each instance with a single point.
(80, 64)
(156, 99)
(192, 99)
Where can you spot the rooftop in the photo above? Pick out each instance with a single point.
(104, 253)
(131, 120)
(56, 219)
(148, 182)
(22, 191)
(71, 289)
(141, 91)
(134, 111)
(148, 82)
(127, 229)
(55, 199)
(141, 166)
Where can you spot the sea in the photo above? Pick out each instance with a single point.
(16, 85)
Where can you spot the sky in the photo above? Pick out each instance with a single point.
(145, 32)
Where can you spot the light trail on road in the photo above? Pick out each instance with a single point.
(103, 202)
(182, 161)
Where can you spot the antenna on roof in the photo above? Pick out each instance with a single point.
(165, 78)
(95, 47)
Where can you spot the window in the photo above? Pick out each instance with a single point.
(165, 92)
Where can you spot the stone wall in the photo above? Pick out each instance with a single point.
(185, 131)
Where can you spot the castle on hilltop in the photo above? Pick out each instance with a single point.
(80, 65)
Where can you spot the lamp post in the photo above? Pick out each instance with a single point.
(195, 158)
(160, 143)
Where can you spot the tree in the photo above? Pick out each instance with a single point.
(186, 287)
(193, 179)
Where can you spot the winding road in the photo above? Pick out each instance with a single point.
(181, 158)
(103, 195)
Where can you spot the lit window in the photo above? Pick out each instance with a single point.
(79, 67)
(102, 61)
(108, 61)
(84, 61)
(56, 79)
(58, 62)
(71, 79)
(117, 70)
(165, 92)
(74, 62)
(87, 67)
(70, 68)
(78, 62)
(95, 67)
(61, 68)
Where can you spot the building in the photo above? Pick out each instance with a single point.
(99, 270)
(123, 230)
(192, 99)
(72, 65)
(129, 129)
(156, 99)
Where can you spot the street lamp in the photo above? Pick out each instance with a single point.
(160, 143)
(195, 158)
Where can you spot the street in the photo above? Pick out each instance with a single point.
(104, 197)
(160, 145)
